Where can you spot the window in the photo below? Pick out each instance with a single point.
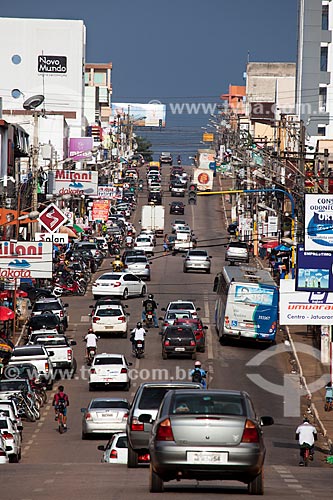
(323, 58)
(321, 130)
(322, 99)
(99, 78)
(324, 17)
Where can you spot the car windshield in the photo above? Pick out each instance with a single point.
(13, 385)
(47, 306)
(213, 404)
(108, 361)
(109, 404)
(4, 424)
(180, 332)
(111, 312)
(109, 277)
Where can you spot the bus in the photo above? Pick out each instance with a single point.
(246, 304)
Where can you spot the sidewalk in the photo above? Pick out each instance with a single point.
(308, 367)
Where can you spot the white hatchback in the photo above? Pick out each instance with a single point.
(144, 243)
(110, 319)
(118, 285)
(109, 370)
(116, 450)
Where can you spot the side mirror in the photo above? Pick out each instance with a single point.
(145, 418)
(205, 327)
(83, 410)
(160, 319)
(101, 447)
(198, 308)
(66, 305)
(163, 309)
(90, 315)
(73, 342)
(91, 307)
(210, 257)
(265, 421)
(129, 363)
(51, 353)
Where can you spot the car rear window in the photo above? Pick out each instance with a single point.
(87, 246)
(109, 277)
(198, 253)
(48, 342)
(108, 312)
(109, 404)
(122, 442)
(237, 244)
(3, 424)
(179, 332)
(4, 413)
(213, 404)
(145, 240)
(108, 361)
(37, 322)
(13, 385)
(181, 305)
(46, 306)
(133, 260)
(31, 351)
(179, 314)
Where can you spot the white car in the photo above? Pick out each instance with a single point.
(144, 243)
(3, 453)
(12, 438)
(110, 319)
(178, 223)
(116, 450)
(108, 370)
(118, 285)
(150, 233)
(104, 415)
(184, 305)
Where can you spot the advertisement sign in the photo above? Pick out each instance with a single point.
(318, 235)
(25, 259)
(74, 182)
(100, 210)
(205, 158)
(52, 218)
(52, 64)
(141, 115)
(80, 148)
(60, 238)
(113, 192)
(203, 179)
(272, 224)
(314, 270)
(207, 137)
(304, 308)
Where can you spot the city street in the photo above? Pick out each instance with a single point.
(56, 466)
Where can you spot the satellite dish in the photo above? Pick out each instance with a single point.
(33, 102)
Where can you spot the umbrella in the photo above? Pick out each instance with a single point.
(282, 248)
(78, 229)
(68, 230)
(269, 244)
(8, 293)
(6, 313)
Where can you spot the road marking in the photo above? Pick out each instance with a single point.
(30, 442)
(38, 490)
(48, 481)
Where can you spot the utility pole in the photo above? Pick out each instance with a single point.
(326, 183)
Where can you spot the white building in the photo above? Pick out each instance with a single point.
(47, 57)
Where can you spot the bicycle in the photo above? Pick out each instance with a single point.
(306, 453)
(60, 419)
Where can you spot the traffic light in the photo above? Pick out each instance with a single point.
(192, 194)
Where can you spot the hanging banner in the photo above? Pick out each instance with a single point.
(113, 192)
(318, 235)
(22, 259)
(100, 210)
(74, 182)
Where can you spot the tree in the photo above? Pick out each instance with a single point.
(144, 148)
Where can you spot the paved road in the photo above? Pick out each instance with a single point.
(55, 466)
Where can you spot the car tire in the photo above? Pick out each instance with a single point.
(164, 355)
(91, 387)
(125, 294)
(203, 349)
(14, 459)
(127, 386)
(185, 270)
(124, 335)
(84, 436)
(143, 291)
(194, 356)
(208, 271)
(256, 487)
(132, 461)
(155, 482)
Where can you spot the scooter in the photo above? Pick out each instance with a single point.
(91, 355)
(138, 349)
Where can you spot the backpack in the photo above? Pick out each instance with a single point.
(197, 377)
(61, 400)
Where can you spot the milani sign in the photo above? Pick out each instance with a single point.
(75, 182)
(22, 259)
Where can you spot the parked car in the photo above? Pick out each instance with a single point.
(177, 208)
(209, 435)
(197, 260)
(12, 439)
(147, 400)
(53, 305)
(237, 251)
(118, 284)
(108, 370)
(179, 340)
(104, 416)
(60, 348)
(47, 322)
(37, 356)
(110, 319)
(138, 265)
(3, 454)
(116, 451)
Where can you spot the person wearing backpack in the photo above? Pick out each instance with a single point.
(199, 375)
(60, 403)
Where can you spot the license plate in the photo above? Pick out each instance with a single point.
(180, 349)
(208, 457)
(109, 415)
(108, 327)
(107, 379)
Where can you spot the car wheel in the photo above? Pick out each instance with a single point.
(256, 487)
(208, 271)
(143, 291)
(95, 297)
(194, 355)
(148, 279)
(127, 386)
(13, 459)
(125, 294)
(124, 335)
(155, 482)
(164, 355)
(223, 340)
(91, 387)
(84, 436)
(185, 270)
(132, 461)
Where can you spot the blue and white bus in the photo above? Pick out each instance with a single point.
(246, 304)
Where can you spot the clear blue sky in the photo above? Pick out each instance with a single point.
(163, 49)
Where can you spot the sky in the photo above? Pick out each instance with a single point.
(176, 50)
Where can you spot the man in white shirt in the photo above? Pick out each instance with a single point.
(91, 341)
(306, 434)
(138, 333)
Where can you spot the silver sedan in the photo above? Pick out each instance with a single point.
(197, 260)
(138, 265)
(105, 416)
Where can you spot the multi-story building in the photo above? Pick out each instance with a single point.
(98, 91)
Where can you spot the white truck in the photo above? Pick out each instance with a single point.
(63, 357)
(37, 356)
(183, 241)
(203, 179)
(152, 218)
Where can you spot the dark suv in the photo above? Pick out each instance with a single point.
(155, 198)
(179, 340)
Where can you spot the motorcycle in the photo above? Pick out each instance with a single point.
(72, 288)
(149, 321)
(91, 354)
(138, 349)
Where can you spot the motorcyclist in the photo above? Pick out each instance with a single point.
(149, 305)
(179, 159)
(117, 263)
(91, 341)
(306, 434)
(138, 333)
(129, 240)
(198, 374)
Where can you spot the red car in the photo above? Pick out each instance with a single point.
(198, 329)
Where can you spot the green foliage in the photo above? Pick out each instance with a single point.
(144, 148)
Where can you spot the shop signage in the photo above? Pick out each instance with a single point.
(25, 259)
(52, 64)
(74, 182)
(318, 235)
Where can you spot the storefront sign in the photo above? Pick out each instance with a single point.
(81, 148)
(318, 235)
(74, 182)
(314, 270)
(113, 192)
(100, 210)
(52, 64)
(21, 259)
(59, 238)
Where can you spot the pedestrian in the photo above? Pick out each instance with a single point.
(166, 244)
(262, 250)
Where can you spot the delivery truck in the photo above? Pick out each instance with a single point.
(152, 218)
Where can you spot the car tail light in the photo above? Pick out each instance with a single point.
(122, 319)
(123, 370)
(47, 367)
(165, 323)
(61, 314)
(144, 458)
(167, 342)
(93, 371)
(125, 416)
(3, 453)
(250, 434)
(95, 319)
(227, 321)
(125, 266)
(69, 354)
(114, 454)
(88, 416)
(147, 266)
(164, 431)
(7, 435)
(95, 284)
(116, 284)
(193, 342)
(136, 425)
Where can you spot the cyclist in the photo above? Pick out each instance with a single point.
(150, 305)
(198, 374)
(306, 434)
(60, 403)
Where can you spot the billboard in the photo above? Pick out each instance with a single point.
(22, 259)
(142, 115)
(100, 210)
(318, 235)
(73, 182)
(80, 148)
(304, 308)
(113, 192)
(314, 271)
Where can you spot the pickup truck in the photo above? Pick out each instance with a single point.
(60, 346)
(37, 356)
(183, 242)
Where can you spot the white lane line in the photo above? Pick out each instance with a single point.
(37, 490)
(291, 480)
(59, 472)
(295, 486)
(30, 442)
(48, 481)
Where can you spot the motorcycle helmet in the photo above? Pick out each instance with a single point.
(90, 330)
(117, 256)
(139, 324)
(197, 364)
(306, 420)
(150, 296)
